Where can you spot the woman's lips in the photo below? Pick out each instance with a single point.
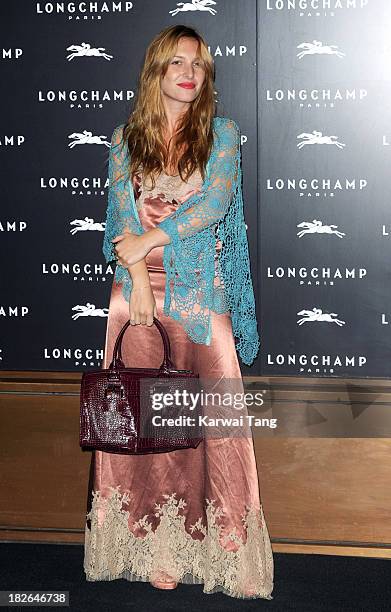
(187, 85)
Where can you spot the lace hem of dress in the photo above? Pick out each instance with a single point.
(113, 551)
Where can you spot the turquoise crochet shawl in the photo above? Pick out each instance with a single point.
(199, 279)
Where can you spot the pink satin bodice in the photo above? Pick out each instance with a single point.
(155, 204)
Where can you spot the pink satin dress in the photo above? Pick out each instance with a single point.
(194, 514)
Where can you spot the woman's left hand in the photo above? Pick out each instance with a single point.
(130, 248)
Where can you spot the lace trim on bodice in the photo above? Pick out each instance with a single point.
(169, 188)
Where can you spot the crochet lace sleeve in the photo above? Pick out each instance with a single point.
(119, 212)
(212, 204)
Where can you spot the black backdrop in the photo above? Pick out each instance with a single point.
(290, 73)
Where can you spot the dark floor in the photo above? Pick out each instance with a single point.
(302, 582)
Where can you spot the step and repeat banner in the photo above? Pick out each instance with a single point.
(308, 84)
(324, 160)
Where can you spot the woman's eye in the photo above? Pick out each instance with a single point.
(197, 63)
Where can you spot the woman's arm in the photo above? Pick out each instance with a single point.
(139, 274)
(119, 217)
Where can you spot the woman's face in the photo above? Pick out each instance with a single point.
(185, 73)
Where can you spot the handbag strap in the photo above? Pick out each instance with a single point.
(166, 364)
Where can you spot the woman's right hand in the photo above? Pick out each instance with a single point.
(142, 306)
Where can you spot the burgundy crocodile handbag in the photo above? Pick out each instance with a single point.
(118, 406)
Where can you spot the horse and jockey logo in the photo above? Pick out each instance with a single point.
(86, 224)
(317, 314)
(316, 137)
(195, 5)
(89, 310)
(85, 50)
(86, 137)
(316, 47)
(316, 227)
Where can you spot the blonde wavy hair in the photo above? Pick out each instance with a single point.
(191, 146)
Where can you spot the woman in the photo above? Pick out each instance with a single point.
(175, 226)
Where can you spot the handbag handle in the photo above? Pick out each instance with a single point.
(166, 364)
